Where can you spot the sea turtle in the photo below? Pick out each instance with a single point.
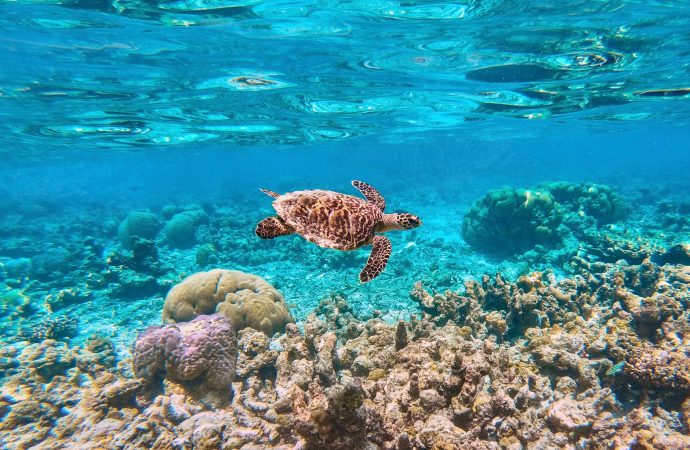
(334, 220)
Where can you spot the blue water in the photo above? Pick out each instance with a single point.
(112, 107)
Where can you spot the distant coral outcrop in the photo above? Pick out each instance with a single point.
(144, 224)
(180, 230)
(511, 221)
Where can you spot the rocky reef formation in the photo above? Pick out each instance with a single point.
(595, 361)
(246, 299)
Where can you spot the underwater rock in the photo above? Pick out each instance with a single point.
(441, 308)
(97, 353)
(144, 256)
(255, 356)
(53, 264)
(676, 254)
(246, 299)
(610, 247)
(144, 224)
(180, 230)
(48, 358)
(660, 368)
(131, 284)
(15, 267)
(204, 348)
(341, 425)
(508, 221)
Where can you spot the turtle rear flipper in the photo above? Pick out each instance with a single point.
(272, 227)
(371, 194)
(378, 259)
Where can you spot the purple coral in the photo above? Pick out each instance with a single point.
(204, 348)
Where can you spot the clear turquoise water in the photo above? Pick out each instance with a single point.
(107, 108)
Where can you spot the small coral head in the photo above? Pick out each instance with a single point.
(408, 221)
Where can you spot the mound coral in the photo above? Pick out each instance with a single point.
(180, 230)
(594, 200)
(204, 348)
(144, 224)
(514, 221)
(246, 299)
(508, 221)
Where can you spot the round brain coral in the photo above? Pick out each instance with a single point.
(246, 299)
(512, 221)
(204, 348)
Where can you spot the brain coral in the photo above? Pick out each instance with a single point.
(509, 221)
(138, 223)
(204, 348)
(246, 299)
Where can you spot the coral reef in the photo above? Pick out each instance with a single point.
(408, 385)
(580, 345)
(205, 348)
(246, 299)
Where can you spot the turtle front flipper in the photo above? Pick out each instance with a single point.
(377, 260)
(371, 194)
(272, 227)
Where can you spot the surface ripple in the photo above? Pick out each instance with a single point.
(128, 73)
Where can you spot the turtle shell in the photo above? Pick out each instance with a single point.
(329, 219)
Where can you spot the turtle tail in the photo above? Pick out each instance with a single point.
(270, 193)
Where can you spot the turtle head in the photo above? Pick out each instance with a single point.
(408, 221)
(399, 221)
